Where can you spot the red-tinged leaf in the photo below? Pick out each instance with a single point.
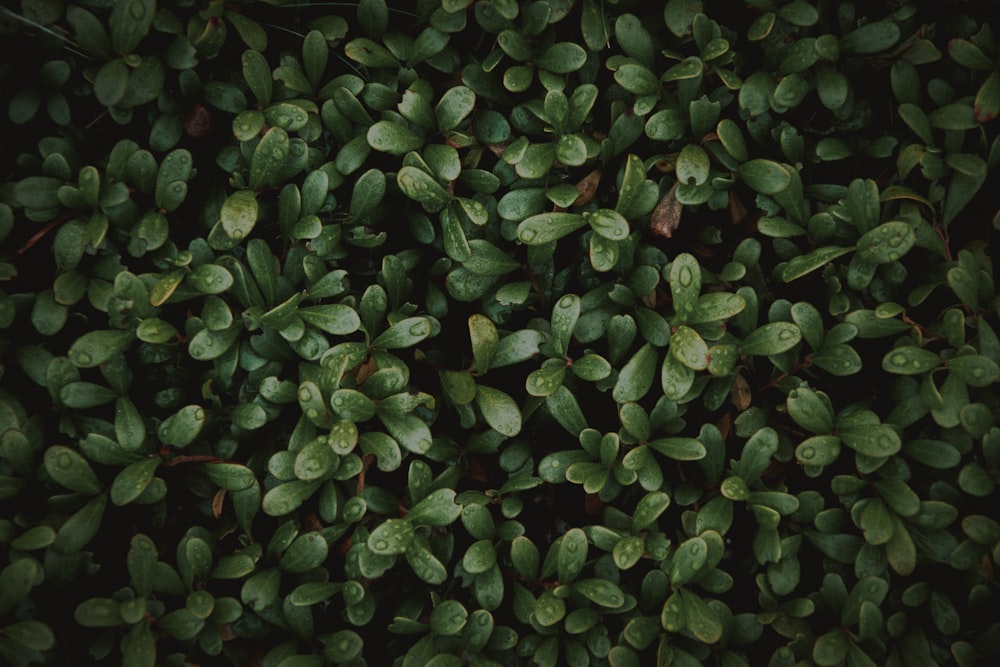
(666, 217)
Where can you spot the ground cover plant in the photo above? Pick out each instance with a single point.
(491, 332)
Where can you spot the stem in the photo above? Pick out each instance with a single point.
(40, 234)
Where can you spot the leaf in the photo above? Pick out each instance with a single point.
(679, 449)
(454, 107)
(636, 377)
(403, 334)
(870, 38)
(801, 265)
(96, 347)
(811, 410)
(336, 319)
(129, 22)
(546, 227)
(257, 74)
(71, 470)
(422, 187)
(666, 217)
(693, 168)
(562, 58)
(687, 347)
(601, 592)
(438, 508)
(307, 552)
(268, 161)
(687, 561)
(967, 54)
(878, 441)
(886, 243)
(765, 176)
(181, 428)
(499, 410)
(608, 223)
(987, 103)
(389, 137)
(133, 480)
(770, 339)
(680, 14)
(370, 53)
(910, 360)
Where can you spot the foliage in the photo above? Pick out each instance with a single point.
(589, 333)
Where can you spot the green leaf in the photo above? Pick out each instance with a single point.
(98, 613)
(562, 58)
(679, 449)
(878, 441)
(266, 165)
(257, 74)
(687, 561)
(601, 592)
(133, 480)
(801, 265)
(403, 334)
(422, 187)
(636, 377)
(239, 214)
(870, 38)
(910, 360)
(831, 648)
(391, 537)
(448, 618)
(886, 243)
(771, 339)
(687, 347)
(438, 508)
(129, 22)
(680, 14)
(181, 428)
(370, 53)
(974, 370)
(545, 227)
(700, 619)
(693, 168)
(389, 137)
(608, 223)
(499, 410)
(336, 319)
(967, 54)
(572, 555)
(307, 552)
(71, 470)
(96, 347)
(765, 176)
(987, 103)
(811, 410)
(819, 450)
(454, 107)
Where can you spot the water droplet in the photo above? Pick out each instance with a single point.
(807, 452)
(209, 342)
(338, 401)
(381, 545)
(893, 256)
(83, 359)
(695, 549)
(137, 11)
(528, 235)
(421, 328)
(278, 154)
(786, 334)
(64, 461)
(884, 442)
(619, 232)
(305, 394)
(898, 359)
(312, 413)
(685, 277)
(978, 372)
(566, 301)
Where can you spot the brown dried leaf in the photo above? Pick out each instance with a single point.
(220, 496)
(587, 187)
(739, 393)
(666, 217)
(737, 211)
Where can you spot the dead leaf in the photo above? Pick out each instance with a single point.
(587, 187)
(220, 495)
(666, 217)
(737, 211)
(365, 369)
(739, 392)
